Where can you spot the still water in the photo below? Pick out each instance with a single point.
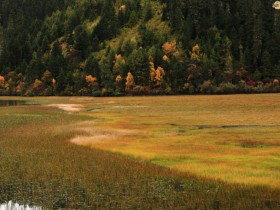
(11, 102)
(15, 206)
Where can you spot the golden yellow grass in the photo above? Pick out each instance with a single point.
(234, 138)
(40, 166)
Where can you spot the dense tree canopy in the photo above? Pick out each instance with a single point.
(97, 47)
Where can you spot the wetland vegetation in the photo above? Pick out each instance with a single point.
(193, 152)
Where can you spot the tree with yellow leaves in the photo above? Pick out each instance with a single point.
(194, 67)
(91, 81)
(118, 82)
(129, 85)
(196, 54)
(47, 78)
(118, 79)
(152, 72)
(156, 75)
(160, 73)
(276, 5)
(36, 88)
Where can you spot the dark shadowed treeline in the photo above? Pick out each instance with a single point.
(96, 47)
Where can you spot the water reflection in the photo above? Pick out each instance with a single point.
(15, 206)
(11, 102)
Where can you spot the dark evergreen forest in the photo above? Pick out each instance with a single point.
(133, 47)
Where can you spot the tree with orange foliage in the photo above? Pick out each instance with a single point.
(276, 82)
(122, 8)
(91, 81)
(53, 81)
(169, 48)
(129, 85)
(156, 75)
(160, 73)
(2, 80)
(165, 58)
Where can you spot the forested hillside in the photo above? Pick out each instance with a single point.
(124, 47)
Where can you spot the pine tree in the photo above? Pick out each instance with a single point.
(139, 66)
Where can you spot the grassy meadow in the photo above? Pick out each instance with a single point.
(179, 152)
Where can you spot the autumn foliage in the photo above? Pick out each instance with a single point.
(91, 81)
(156, 75)
(122, 8)
(119, 61)
(192, 41)
(53, 81)
(47, 77)
(129, 82)
(160, 73)
(169, 48)
(152, 72)
(276, 5)
(2, 80)
(196, 54)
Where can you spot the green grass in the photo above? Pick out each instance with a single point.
(40, 166)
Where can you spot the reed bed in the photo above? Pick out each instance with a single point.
(40, 166)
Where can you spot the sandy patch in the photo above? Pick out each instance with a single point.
(94, 135)
(68, 107)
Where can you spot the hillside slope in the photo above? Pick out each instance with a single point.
(119, 47)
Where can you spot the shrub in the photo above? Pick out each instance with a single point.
(226, 88)
(242, 87)
(206, 87)
(189, 88)
(96, 93)
(107, 92)
(139, 90)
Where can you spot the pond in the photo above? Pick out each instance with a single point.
(11, 102)
(15, 206)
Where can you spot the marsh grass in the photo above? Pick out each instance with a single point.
(233, 138)
(40, 166)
